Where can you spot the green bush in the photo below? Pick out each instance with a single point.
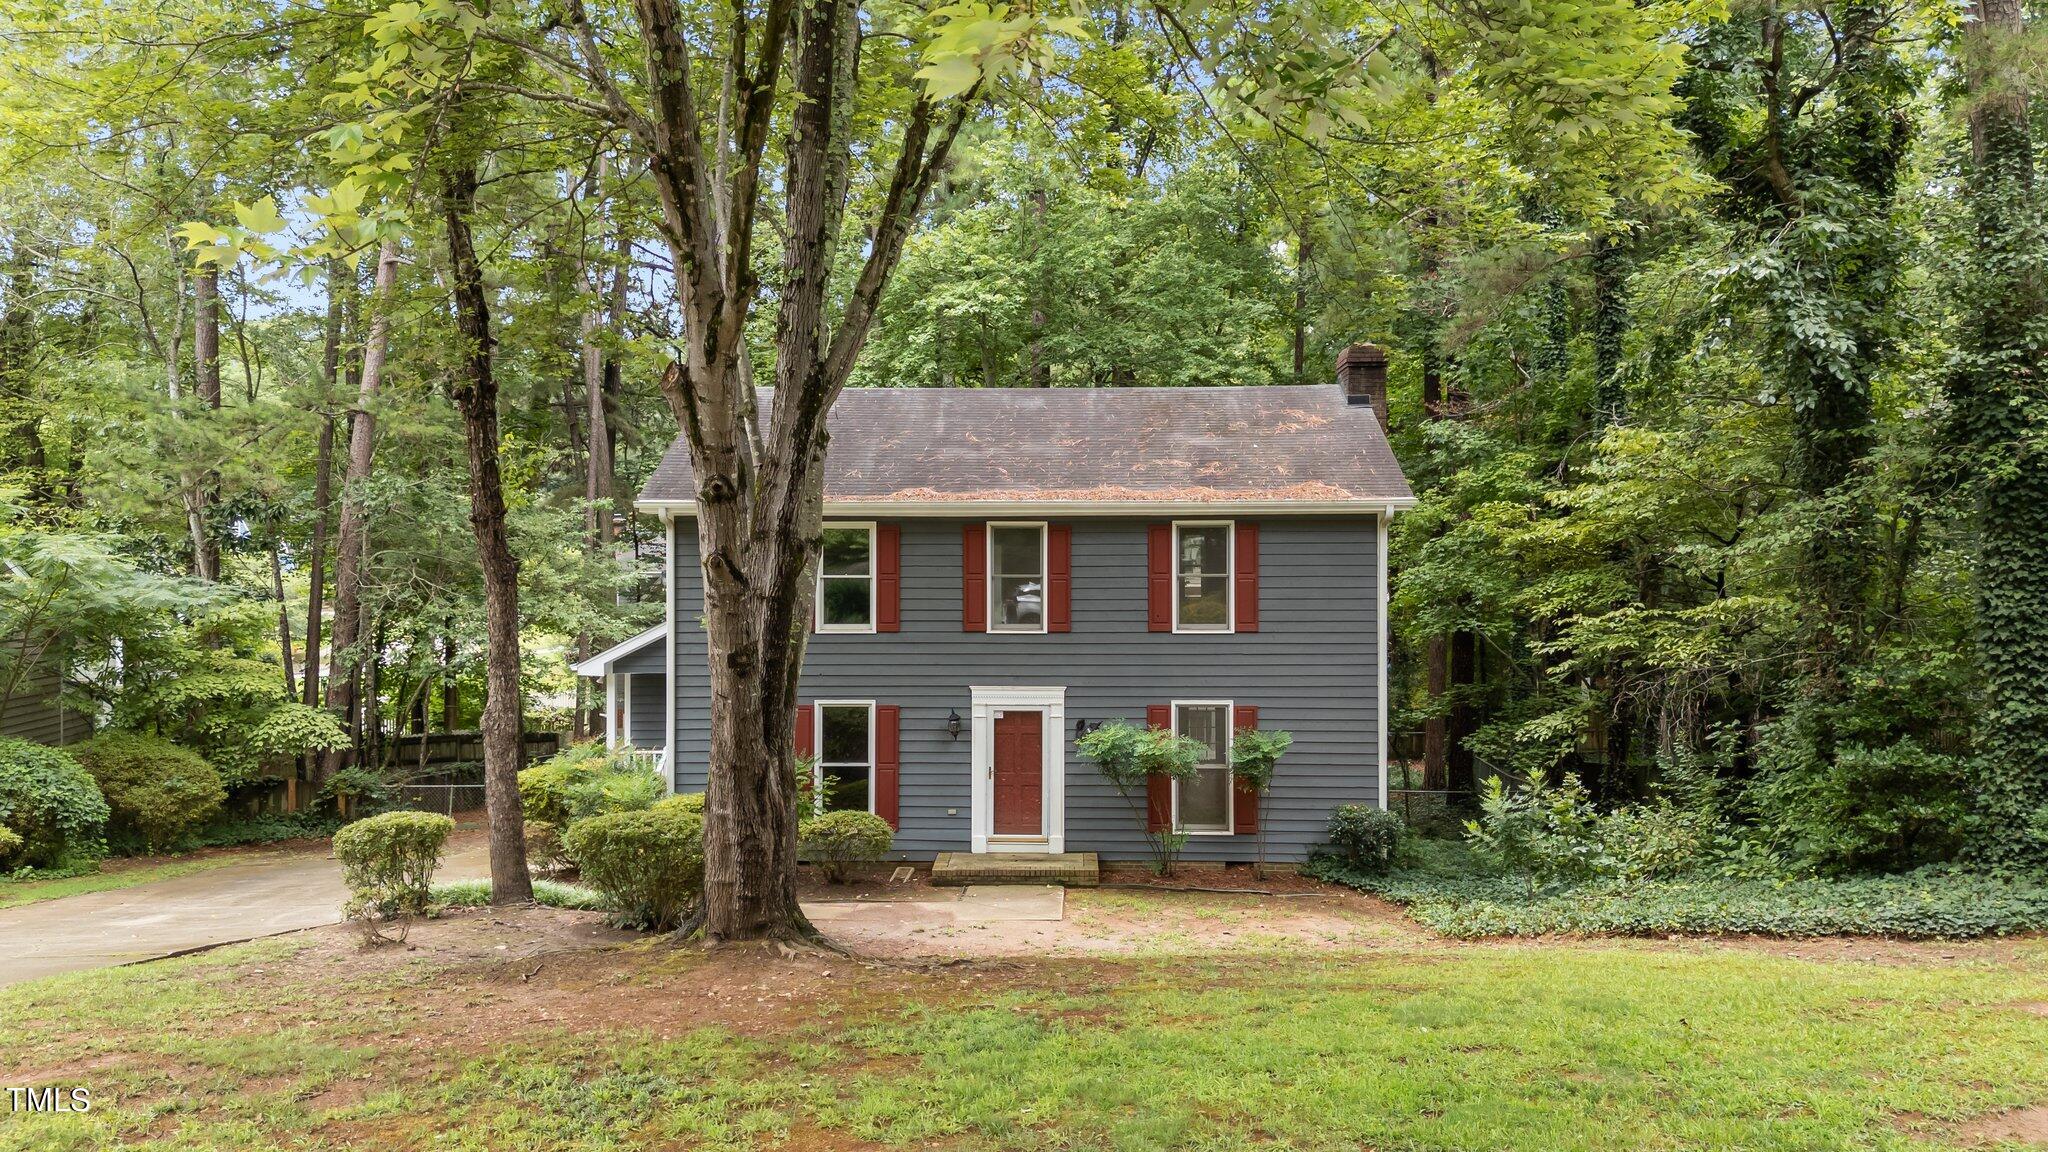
(1365, 837)
(1656, 841)
(264, 828)
(10, 843)
(836, 841)
(546, 893)
(544, 846)
(691, 802)
(156, 791)
(586, 780)
(50, 802)
(1541, 831)
(388, 863)
(648, 864)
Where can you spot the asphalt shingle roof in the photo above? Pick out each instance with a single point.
(1016, 445)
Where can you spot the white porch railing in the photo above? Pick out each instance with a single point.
(655, 760)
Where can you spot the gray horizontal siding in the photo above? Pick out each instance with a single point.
(646, 698)
(35, 712)
(1310, 669)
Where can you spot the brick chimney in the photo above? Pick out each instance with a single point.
(1362, 373)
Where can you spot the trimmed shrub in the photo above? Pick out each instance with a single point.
(10, 843)
(691, 802)
(836, 841)
(49, 801)
(586, 780)
(156, 791)
(544, 846)
(648, 864)
(388, 863)
(1365, 837)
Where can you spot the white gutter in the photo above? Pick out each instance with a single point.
(979, 509)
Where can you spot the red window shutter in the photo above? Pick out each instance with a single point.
(888, 578)
(1159, 579)
(1059, 578)
(806, 731)
(1159, 786)
(1247, 598)
(974, 578)
(1245, 804)
(888, 760)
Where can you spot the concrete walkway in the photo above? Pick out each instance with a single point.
(216, 906)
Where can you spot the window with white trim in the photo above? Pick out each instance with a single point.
(846, 756)
(1201, 577)
(846, 579)
(1202, 804)
(1017, 577)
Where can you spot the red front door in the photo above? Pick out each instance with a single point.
(1020, 774)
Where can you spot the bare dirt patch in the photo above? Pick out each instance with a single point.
(2018, 1126)
(1154, 920)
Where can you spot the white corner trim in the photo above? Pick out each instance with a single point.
(668, 617)
(985, 702)
(1385, 663)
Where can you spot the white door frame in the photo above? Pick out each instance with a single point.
(1053, 703)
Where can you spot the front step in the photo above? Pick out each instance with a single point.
(1073, 869)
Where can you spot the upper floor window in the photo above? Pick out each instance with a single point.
(846, 579)
(1017, 591)
(1202, 804)
(846, 756)
(1201, 579)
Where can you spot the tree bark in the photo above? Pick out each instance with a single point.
(476, 394)
(284, 620)
(349, 550)
(1996, 385)
(323, 480)
(759, 499)
(206, 371)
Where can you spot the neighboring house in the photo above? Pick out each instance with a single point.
(1005, 567)
(32, 704)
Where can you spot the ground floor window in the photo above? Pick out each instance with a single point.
(846, 756)
(1203, 803)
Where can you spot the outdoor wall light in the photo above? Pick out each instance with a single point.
(1081, 728)
(953, 723)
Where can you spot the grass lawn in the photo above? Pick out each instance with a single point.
(564, 1039)
(114, 874)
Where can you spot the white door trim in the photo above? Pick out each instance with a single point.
(987, 701)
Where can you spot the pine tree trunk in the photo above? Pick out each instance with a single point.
(323, 480)
(349, 549)
(476, 394)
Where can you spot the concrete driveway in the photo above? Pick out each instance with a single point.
(216, 906)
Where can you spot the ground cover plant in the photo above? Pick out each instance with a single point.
(513, 1031)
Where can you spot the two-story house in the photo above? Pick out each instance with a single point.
(1004, 568)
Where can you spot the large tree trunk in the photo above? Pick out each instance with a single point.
(323, 481)
(1997, 384)
(476, 394)
(347, 656)
(206, 370)
(759, 485)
